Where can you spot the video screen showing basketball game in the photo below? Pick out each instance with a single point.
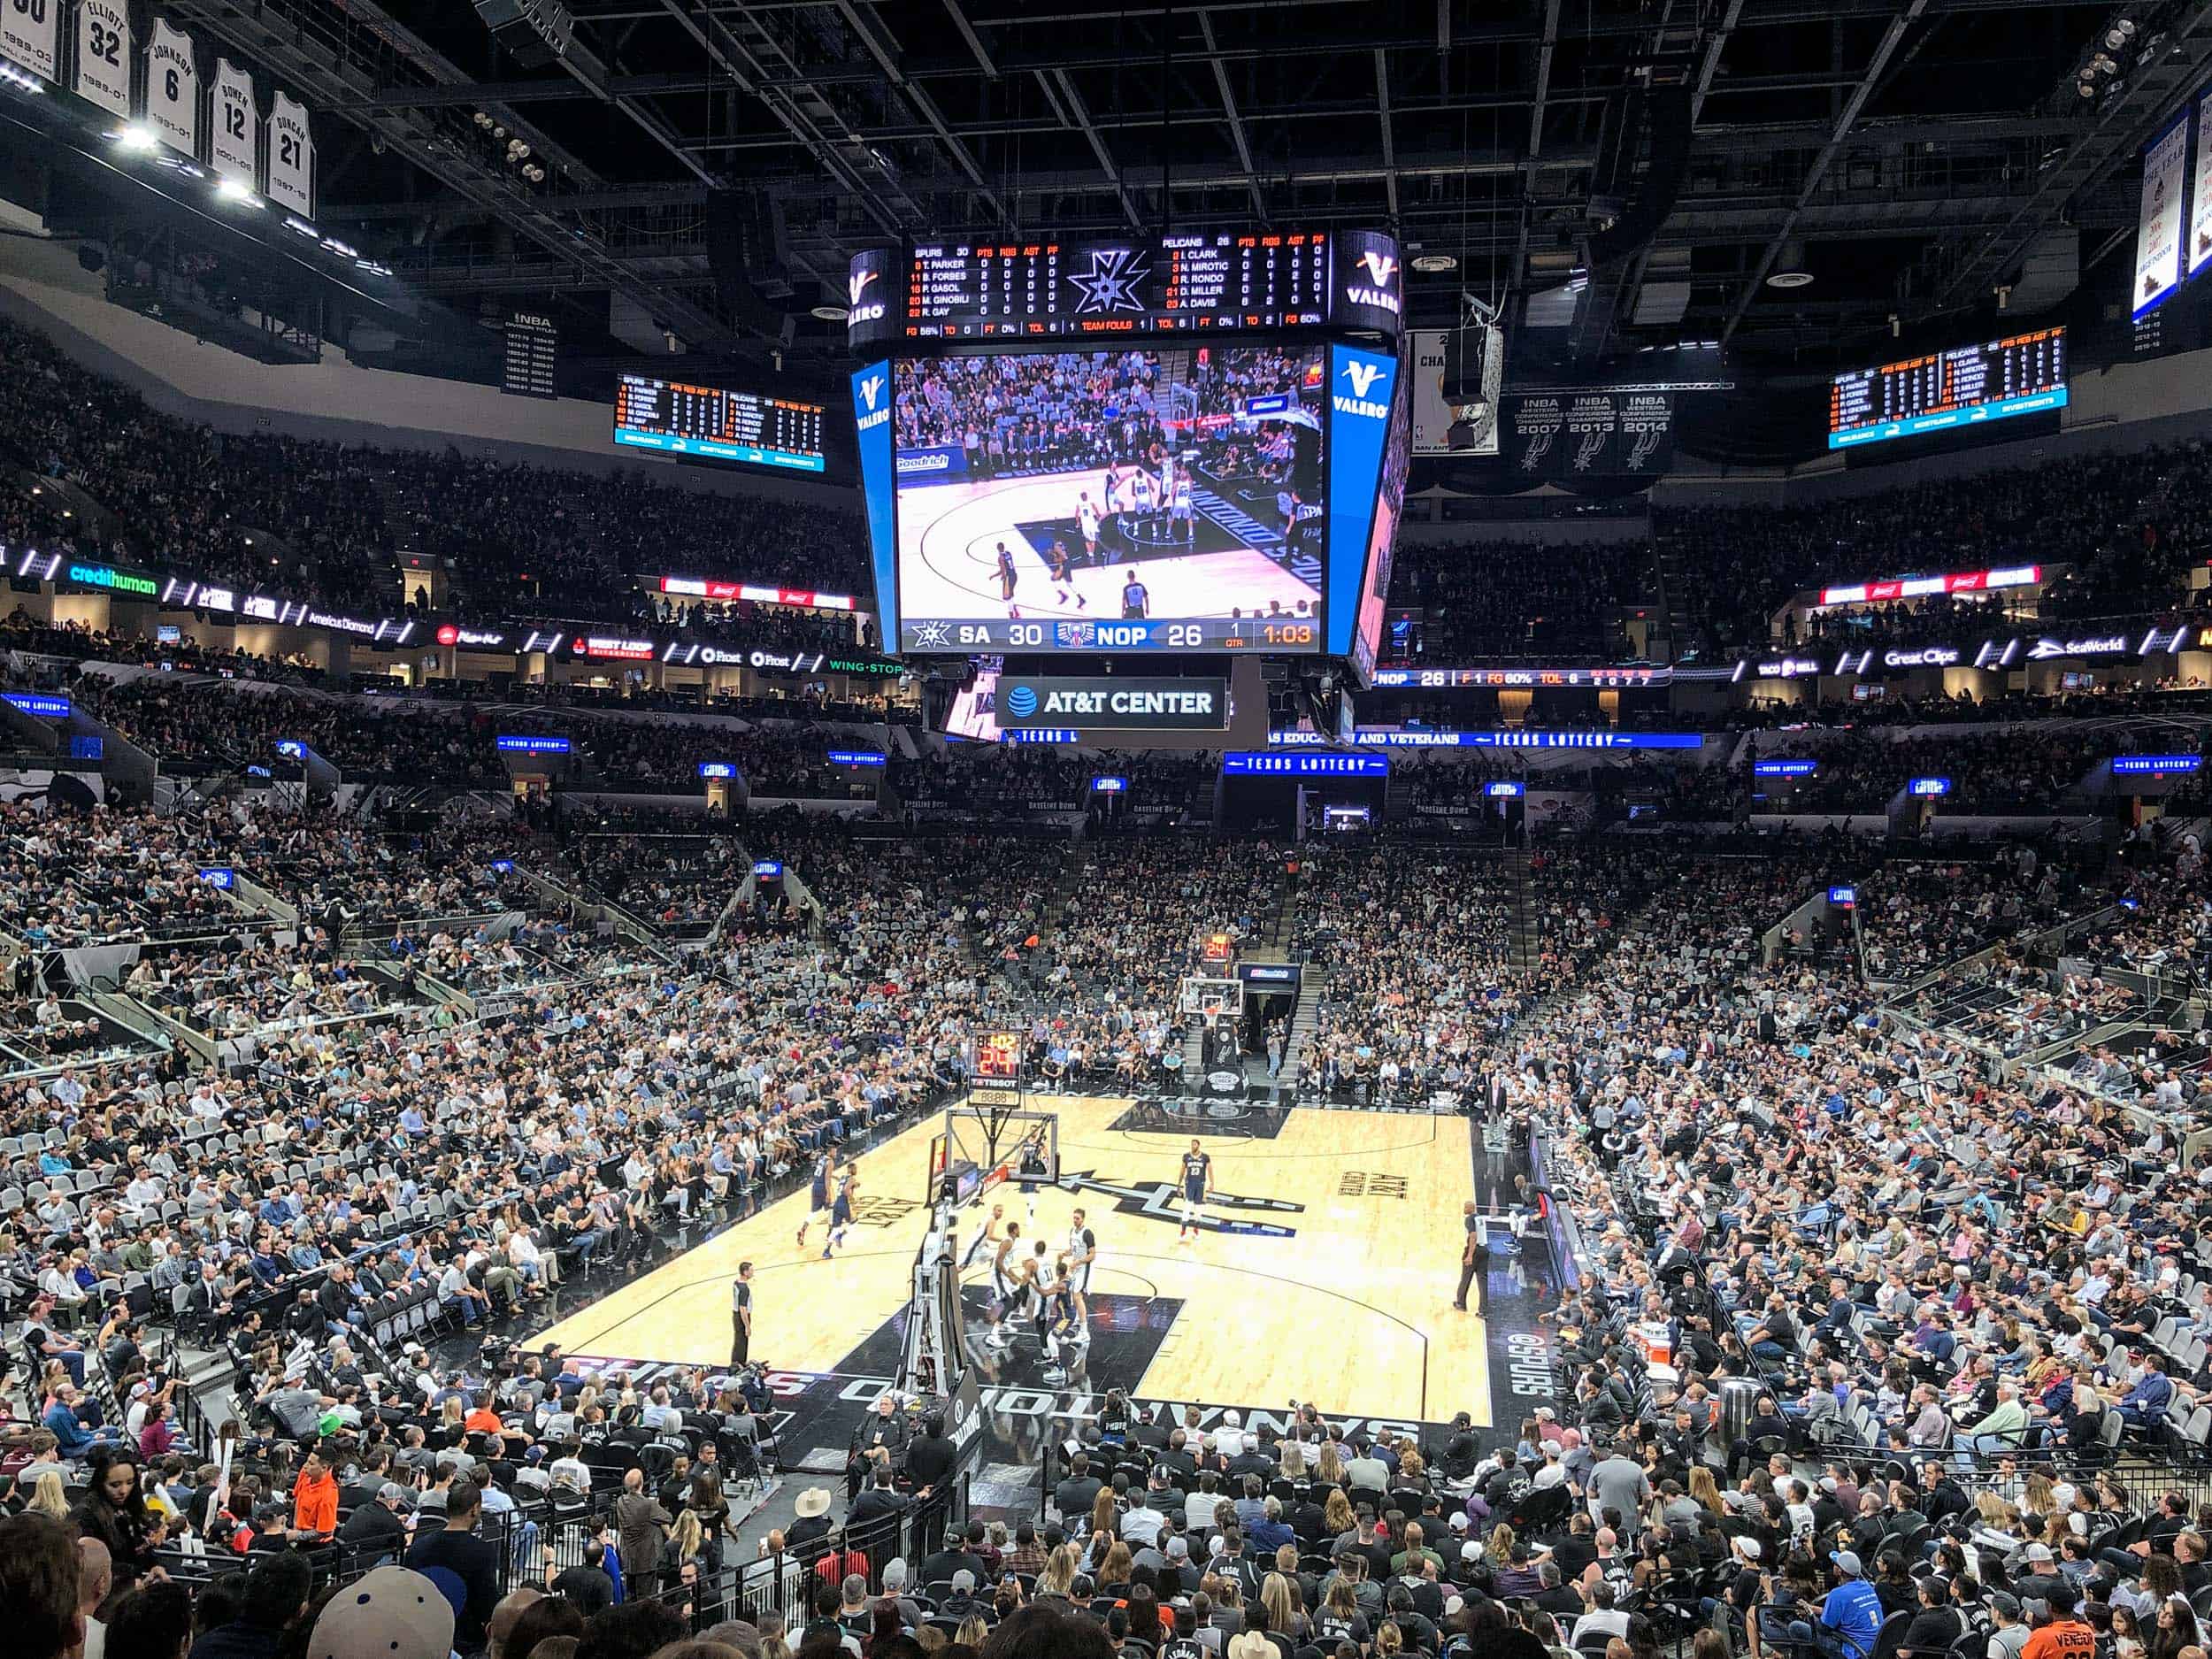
(1041, 494)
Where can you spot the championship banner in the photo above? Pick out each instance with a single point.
(2200, 193)
(291, 157)
(2158, 229)
(172, 88)
(1561, 436)
(30, 33)
(1479, 351)
(237, 126)
(104, 55)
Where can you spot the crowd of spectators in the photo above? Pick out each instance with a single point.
(1486, 600)
(301, 517)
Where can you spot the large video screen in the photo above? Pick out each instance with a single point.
(1161, 497)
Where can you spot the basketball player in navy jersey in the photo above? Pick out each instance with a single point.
(1198, 1180)
(1006, 577)
(840, 1215)
(1081, 1252)
(818, 1193)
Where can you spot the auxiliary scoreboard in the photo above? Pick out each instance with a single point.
(677, 417)
(1967, 385)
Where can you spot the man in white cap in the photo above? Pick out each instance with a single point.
(389, 1613)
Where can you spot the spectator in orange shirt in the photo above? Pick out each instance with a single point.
(482, 1419)
(315, 1499)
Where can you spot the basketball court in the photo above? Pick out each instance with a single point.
(1324, 1272)
(950, 536)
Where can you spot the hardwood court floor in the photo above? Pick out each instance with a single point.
(1342, 1297)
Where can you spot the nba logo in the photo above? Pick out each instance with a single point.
(1076, 635)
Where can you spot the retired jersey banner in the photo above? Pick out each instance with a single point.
(104, 55)
(30, 33)
(172, 88)
(237, 126)
(2158, 229)
(291, 157)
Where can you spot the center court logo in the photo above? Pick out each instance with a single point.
(1159, 1201)
(1021, 702)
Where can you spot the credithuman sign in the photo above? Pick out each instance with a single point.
(1123, 701)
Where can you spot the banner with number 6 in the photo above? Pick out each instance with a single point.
(172, 88)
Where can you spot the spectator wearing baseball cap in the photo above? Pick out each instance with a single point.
(1851, 1612)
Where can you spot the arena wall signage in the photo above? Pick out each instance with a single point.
(2153, 765)
(1376, 738)
(1928, 789)
(717, 769)
(1505, 792)
(1922, 587)
(40, 706)
(856, 757)
(1619, 678)
(1785, 768)
(767, 870)
(1843, 898)
(1781, 668)
(764, 594)
(1921, 657)
(1126, 702)
(1253, 764)
(533, 745)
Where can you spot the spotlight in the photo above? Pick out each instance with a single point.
(483, 120)
(2118, 35)
(230, 190)
(137, 140)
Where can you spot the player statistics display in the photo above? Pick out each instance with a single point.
(720, 424)
(1156, 497)
(2022, 374)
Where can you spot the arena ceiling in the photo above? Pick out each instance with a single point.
(1907, 156)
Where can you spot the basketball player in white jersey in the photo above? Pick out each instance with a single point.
(1163, 487)
(1086, 521)
(986, 1238)
(1140, 493)
(1081, 1253)
(1178, 511)
(1003, 1268)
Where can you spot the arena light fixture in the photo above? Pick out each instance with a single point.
(1435, 263)
(235, 193)
(137, 140)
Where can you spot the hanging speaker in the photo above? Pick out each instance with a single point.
(743, 255)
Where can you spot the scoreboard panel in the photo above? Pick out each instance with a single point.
(1188, 282)
(2022, 374)
(721, 425)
